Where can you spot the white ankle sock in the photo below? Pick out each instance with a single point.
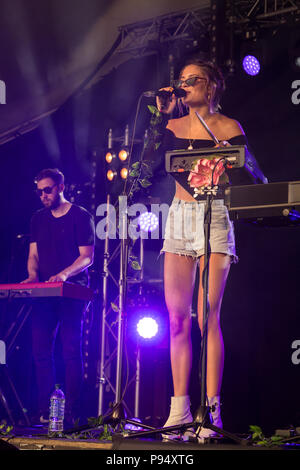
(180, 413)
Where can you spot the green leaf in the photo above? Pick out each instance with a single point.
(133, 173)
(276, 439)
(145, 183)
(262, 443)
(153, 110)
(255, 429)
(93, 422)
(136, 266)
(114, 307)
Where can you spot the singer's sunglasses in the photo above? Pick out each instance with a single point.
(46, 190)
(189, 81)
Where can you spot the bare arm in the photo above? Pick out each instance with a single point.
(84, 260)
(32, 264)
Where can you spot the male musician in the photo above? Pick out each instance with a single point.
(61, 249)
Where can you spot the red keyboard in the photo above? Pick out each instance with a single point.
(46, 289)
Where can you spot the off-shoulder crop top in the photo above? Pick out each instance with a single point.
(171, 142)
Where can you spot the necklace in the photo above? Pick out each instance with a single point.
(190, 147)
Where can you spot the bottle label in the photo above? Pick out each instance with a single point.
(56, 415)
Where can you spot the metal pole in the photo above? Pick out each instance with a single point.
(137, 383)
(104, 310)
(207, 222)
(138, 354)
(122, 295)
(141, 263)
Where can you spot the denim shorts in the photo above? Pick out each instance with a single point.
(184, 231)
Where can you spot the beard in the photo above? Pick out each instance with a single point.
(52, 204)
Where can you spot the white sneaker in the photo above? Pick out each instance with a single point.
(180, 413)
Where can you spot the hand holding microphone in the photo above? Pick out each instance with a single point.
(166, 98)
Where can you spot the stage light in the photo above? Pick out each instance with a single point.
(109, 157)
(124, 173)
(251, 65)
(134, 427)
(123, 155)
(147, 327)
(116, 162)
(148, 222)
(110, 175)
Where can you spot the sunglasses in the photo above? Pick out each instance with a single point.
(188, 82)
(46, 190)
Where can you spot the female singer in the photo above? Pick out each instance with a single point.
(203, 85)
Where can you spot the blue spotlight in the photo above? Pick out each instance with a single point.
(147, 327)
(251, 65)
(148, 221)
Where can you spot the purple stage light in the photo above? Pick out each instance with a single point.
(147, 327)
(251, 65)
(133, 427)
(148, 221)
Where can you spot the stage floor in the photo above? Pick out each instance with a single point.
(36, 438)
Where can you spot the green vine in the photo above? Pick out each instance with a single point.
(102, 433)
(156, 129)
(5, 429)
(142, 171)
(97, 430)
(258, 438)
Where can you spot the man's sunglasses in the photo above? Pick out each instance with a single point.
(188, 82)
(46, 190)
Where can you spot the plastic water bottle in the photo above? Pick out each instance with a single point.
(57, 411)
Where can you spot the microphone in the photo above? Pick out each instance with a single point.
(165, 94)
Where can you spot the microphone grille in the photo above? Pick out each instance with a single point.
(149, 94)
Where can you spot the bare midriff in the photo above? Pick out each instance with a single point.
(181, 193)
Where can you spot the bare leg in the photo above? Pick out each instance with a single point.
(179, 279)
(218, 272)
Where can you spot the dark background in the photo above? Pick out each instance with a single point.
(260, 313)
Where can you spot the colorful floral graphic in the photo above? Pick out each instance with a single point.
(204, 170)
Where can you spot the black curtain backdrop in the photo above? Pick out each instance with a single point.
(260, 312)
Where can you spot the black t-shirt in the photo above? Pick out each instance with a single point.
(59, 238)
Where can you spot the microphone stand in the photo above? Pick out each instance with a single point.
(117, 413)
